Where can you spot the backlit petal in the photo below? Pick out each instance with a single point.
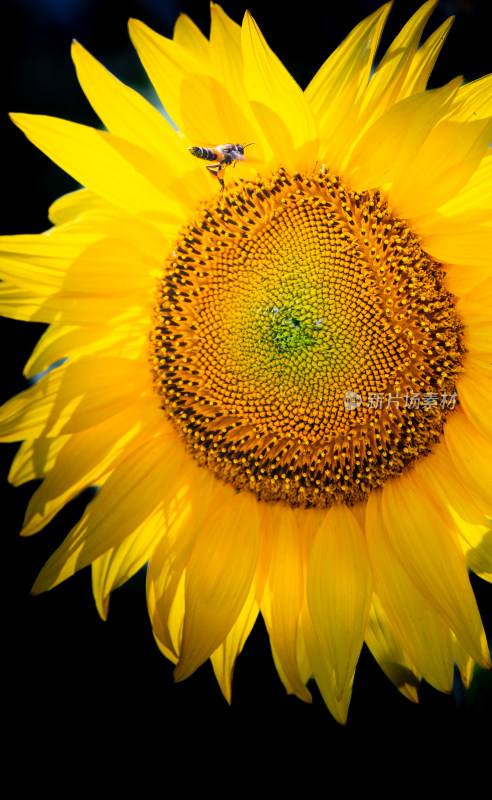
(339, 591)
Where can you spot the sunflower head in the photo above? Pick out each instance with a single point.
(270, 365)
(281, 296)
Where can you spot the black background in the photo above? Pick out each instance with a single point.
(85, 685)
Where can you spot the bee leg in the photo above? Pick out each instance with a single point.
(216, 170)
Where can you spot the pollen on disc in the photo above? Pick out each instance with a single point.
(284, 298)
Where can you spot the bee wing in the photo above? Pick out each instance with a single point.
(224, 149)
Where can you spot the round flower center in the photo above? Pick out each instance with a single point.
(304, 345)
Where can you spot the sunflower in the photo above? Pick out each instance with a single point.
(276, 375)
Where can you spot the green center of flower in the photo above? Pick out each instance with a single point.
(292, 328)
(304, 345)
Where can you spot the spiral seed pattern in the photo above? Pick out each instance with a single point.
(283, 296)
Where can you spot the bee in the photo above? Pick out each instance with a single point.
(223, 155)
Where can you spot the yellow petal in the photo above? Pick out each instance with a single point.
(75, 204)
(471, 248)
(267, 540)
(35, 459)
(464, 662)
(23, 305)
(119, 564)
(433, 559)
(457, 228)
(474, 100)
(460, 281)
(84, 459)
(387, 80)
(111, 266)
(228, 544)
(126, 113)
(227, 59)
(167, 565)
(443, 165)
(76, 265)
(393, 140)
(323, 673)
(472, 457)
(278, 102)
(39, 262)
(420, 630)
(60, 342)
(191, 95)
(73, 397)
(129, 116)
(388, 652)
(474, 307)
(224, 658)
(424, 60)
(285, 596)
(470, 521)
(128, 498)
(305, 696)
(303, 663)
(474, 388)
(380, 94)
(119, 171)
(98, 312)
(189, 35)
(346, 70)
(339, 591)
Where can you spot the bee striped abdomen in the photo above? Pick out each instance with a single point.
(203, 152)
